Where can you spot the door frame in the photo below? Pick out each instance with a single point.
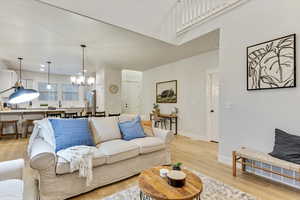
(208, 97)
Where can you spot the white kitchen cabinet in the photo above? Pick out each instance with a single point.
(8, 79)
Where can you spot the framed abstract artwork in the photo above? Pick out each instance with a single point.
(166, 92)
(272, 64)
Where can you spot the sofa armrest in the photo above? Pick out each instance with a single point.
(42, 156)
(11, 169)
(166, 135)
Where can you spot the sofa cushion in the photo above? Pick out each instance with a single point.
(147, 126)
(117, 150)
(105, 129)
(132, 129)
(11, 189)
(149, 144)
(71, 132)
(63, 166)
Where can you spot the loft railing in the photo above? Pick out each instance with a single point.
(187, 13)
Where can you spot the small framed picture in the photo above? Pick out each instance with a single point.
(166, 92)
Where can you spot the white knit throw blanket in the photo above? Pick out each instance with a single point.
(42, 130)
(80, 158)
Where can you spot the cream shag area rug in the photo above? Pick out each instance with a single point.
(213, 190)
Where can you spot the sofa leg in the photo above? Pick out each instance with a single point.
(234, 163)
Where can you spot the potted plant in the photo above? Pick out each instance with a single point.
(156, 108)
(177, 166)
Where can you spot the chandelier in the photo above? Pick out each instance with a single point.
(82, 79)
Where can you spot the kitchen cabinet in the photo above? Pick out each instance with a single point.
(8, 79)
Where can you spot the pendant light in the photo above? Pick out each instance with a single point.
(21, 94)
(48, 84)
(82, 79)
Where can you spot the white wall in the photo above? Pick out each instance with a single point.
(113, 101)
(249, 118)
(106, 101)
(54, 78)
(191, 76)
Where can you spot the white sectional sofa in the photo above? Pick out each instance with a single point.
(116, 159)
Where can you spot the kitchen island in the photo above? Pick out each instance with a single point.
(23, 118)
(39, 111)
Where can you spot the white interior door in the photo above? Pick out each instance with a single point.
(131, 97)
(213, 106)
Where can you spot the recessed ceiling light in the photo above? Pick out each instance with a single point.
(42, 65)
(42, 69)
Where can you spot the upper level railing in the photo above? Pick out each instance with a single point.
(187, 13)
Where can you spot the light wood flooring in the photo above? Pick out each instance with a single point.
(198, 155)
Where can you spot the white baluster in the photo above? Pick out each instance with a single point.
(188, 11)
(198, 11)
(183, 12)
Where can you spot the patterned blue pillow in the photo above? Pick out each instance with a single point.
(132, 129)
(71, 132)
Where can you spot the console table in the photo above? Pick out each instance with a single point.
(173, 119)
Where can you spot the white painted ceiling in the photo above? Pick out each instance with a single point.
(141, 16)
(39, 33)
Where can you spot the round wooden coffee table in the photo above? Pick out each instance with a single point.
(153, 186)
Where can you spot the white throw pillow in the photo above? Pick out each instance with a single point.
(105, 129)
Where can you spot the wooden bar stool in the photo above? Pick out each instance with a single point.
(100, 114)
(28, 124)
(7, 124)
(54, 114)
(114, 114)
(71, 115)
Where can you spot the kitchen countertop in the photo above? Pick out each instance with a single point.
(38, 110)
(30, 111)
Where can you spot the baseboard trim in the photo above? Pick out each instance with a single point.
(227, 161)
(194, 136)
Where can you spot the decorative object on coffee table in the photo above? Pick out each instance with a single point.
(155, 187)
(177, 166)
(176, 178)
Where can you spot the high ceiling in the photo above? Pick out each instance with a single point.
(141, 16)
(39, 32)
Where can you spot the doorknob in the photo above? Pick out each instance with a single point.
(212, 111)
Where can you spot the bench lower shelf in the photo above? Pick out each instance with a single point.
(272, 172)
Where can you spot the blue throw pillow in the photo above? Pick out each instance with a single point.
(132, 129)
(71, 132)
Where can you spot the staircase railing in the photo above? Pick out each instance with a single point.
(187, 13)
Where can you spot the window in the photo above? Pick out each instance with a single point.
(47, 94)
(27, 83)
(70, 92)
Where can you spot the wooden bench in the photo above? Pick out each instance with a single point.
(243, 155)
